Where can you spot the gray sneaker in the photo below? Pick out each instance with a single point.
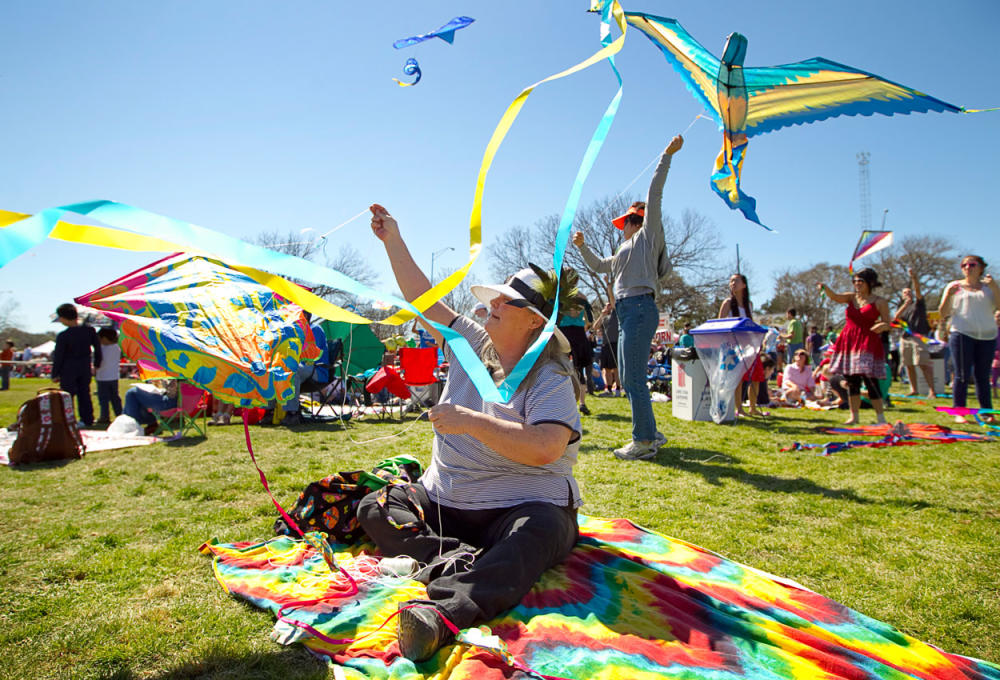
(660, 440)
(636, 451)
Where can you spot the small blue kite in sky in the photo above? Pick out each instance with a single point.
(446, 33)
(410, 68)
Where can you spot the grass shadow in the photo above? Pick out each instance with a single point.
(44, 465)
(681, 459)
(611, 417)
(289, 663)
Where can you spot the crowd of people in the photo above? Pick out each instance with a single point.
(497, 504)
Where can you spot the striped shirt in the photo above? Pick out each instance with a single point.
(465, 473)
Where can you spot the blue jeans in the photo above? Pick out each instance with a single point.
(972, 359)
(637, 321)
(139, 402)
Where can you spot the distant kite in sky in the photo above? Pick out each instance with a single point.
(410, 68)
(751, 101)
(870, 242)
(446, 33)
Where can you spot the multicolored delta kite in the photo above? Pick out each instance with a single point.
(870, 242)
(197, 318)
(751, 101)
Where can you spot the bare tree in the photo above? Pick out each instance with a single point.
(797, 288)
(8, 313)
(514, 249)
(347, 260)
(460, 298)
(932, 258)
(691, 241)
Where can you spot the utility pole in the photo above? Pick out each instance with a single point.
(434, 255)
(864, 185)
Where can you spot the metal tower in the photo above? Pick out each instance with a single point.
(864, 185)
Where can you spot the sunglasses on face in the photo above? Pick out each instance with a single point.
(968, 265)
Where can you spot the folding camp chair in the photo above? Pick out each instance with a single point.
(418, 366)
(192, 405)
(324, 387)
(387, 380)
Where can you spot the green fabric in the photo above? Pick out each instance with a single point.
(362, 348)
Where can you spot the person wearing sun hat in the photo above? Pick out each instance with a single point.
(480, 312)
(636, 268)
(497, 505)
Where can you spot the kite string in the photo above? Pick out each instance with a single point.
(657, 157)
(323, 236)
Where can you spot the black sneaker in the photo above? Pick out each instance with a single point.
(421, 631)
(584, 410)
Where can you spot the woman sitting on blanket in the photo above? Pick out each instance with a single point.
(497, 506)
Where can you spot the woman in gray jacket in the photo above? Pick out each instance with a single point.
(636, 268)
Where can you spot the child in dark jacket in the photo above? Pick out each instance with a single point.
(71, 360)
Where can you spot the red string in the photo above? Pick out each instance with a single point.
(354, 587)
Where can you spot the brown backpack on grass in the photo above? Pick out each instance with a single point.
(46, 429)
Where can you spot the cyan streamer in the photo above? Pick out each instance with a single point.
(569, 212)
(18, 238)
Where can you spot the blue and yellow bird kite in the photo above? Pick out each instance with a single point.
(751, 101)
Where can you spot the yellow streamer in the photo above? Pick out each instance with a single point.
(105, 237)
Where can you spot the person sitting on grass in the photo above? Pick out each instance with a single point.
(497, 505)
(797, 381)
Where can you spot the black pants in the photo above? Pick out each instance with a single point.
(108, 398)
(854, 386)
(79, 387)
(499, 553)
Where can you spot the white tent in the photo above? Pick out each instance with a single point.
(45, 348)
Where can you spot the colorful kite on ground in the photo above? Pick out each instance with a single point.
(751, 101)
(899, 434)
(446, 33)
(199, 319)
(988, 418)
(869, 242)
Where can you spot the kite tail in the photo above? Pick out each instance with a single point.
(726, 182)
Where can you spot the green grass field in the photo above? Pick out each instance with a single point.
(102, 577)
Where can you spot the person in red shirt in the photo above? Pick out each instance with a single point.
(6, 356)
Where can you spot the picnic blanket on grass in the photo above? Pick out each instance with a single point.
(627, 603)
(93, 440)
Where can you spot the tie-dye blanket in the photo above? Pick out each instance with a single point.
(627, 603)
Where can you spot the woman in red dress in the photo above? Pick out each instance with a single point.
(859, 354)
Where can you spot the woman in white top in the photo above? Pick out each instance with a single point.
(738, 305)
(971, 302)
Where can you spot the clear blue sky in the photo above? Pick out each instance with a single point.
(253, 116)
